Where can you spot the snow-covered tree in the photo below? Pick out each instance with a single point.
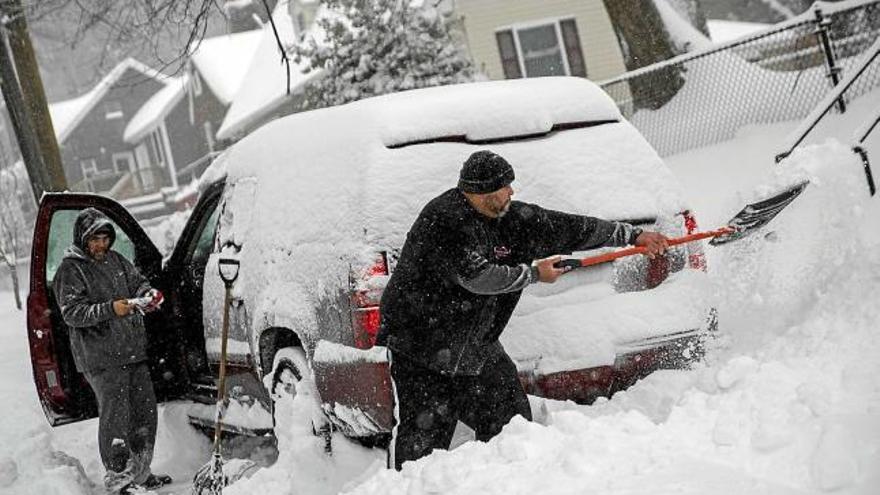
(14, 228)
(374, 47)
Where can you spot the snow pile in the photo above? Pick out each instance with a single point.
(244, 413)
(36, 468)
(331, 352)
(302, 465)
(36, 459)
(787, 402)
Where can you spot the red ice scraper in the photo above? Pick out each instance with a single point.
(747, 221)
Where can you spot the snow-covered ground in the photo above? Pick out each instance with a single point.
(787, 401)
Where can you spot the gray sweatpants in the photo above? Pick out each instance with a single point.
(127, 424)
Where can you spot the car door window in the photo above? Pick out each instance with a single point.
(237, 213)
(204, 242)
(61, 237)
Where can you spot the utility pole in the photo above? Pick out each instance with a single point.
(21, 123)
(35, 109)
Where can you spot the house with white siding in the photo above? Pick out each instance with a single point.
(533, 38)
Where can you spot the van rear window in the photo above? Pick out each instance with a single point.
(461, 138)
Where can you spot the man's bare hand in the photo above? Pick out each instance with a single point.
(656, 243)
(121, 307)
(548, 273)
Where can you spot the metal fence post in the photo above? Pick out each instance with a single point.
(822, 33)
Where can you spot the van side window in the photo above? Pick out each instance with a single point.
(61, 237)
(236, 213)
(205, 241)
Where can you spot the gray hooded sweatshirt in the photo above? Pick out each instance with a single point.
(86, 288)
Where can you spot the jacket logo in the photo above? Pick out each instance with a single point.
(502, 252)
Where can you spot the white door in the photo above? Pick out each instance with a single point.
(145, 170)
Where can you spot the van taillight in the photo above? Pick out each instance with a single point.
(696, 256)
(366, 293)
(365, 322)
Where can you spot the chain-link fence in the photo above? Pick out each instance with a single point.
(776, 75)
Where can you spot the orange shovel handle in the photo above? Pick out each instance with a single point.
(605, 258)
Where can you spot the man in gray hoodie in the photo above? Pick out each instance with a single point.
(109, 344)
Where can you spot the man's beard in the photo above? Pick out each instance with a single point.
(504, 209)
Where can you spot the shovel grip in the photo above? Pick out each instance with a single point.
(569, 263)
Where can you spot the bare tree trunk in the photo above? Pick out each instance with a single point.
(644, 40)
(16, 287)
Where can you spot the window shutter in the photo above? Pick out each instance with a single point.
(572, 43)
(509, 58)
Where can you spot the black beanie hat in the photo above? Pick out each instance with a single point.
(484, 172)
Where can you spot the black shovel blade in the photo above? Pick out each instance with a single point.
(756, 215)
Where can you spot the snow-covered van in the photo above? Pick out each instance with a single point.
(316, 206)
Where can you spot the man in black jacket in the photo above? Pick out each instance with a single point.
(109, 345)
(466, 260)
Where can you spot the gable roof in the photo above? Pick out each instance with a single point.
(264, 87)
(151, 113)
(222, 61)
(66, 115)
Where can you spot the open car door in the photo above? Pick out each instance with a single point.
(64, 393)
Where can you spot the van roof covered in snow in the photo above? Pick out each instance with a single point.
(489, 110)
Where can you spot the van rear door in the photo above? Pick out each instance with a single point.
(63, 392)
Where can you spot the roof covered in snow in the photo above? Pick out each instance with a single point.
(224, 60)
(67, 114)
(155, 109)
(683, 33)
(264, 86)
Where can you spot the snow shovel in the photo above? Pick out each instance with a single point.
(746, 222)
(210, 478)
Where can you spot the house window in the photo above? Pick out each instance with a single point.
(113, 110)
(156, 148)
(89, 167)
(548, 49)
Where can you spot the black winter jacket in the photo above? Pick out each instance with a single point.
(86, 288)
(460, 276)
